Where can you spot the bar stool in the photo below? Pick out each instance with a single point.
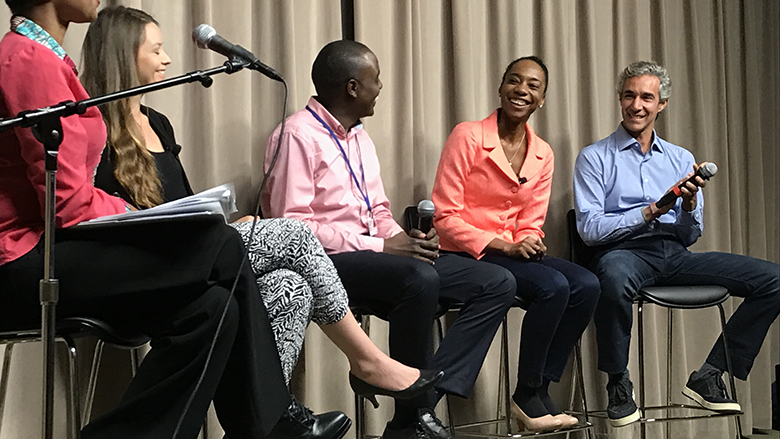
(67, 331)
(671, 297)
(681, 297)
(503, 420)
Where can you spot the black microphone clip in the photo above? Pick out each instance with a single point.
(522, 180)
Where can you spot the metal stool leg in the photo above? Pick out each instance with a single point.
(640, 330)
(579, 382)
(505, 377)
(72, 396)
(669, 337)
(360, 408)
(135, 359)
(92, 383)
(728, 366)
(450, 420)
(9, 348)
(205, 429)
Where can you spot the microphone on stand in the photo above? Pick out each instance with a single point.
(207, 38)
(425, 211)
(706, 171)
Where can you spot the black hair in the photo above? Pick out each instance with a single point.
(19, 7)
(533, 58)
(337, 63)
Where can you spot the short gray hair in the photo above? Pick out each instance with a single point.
(639, 68)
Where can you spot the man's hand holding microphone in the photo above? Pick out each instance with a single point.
(686, 188)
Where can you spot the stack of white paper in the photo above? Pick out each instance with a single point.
(220, 200)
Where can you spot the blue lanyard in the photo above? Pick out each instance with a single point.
(364, 190)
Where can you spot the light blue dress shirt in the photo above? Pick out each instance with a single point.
(614, 181)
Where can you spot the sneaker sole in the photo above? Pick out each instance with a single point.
(715, 406)
(625, 420)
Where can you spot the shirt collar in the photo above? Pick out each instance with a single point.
(624, 141)
(331, 120)
(28, 28)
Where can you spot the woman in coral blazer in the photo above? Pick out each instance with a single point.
(491, 194)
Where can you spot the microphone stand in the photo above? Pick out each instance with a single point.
(46, 125)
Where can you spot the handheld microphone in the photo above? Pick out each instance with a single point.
(705, 172)
(425, 211)
(207, 38)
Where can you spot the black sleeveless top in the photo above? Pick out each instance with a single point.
(172, 176)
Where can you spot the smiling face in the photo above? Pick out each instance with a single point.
(151, 60)
(522, 91)
(367, 86)
(640, 104)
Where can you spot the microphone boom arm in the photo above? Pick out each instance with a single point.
(29, 118)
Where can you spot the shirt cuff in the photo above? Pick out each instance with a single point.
(634, 218)
(692, 218)
(373, 243)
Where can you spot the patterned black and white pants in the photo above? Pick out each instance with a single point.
(297, 281)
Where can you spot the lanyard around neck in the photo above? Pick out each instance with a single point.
(364, 190)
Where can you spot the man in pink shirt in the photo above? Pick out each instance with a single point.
(327, 174)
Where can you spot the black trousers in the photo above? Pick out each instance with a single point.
(406, 292)
(171, 281)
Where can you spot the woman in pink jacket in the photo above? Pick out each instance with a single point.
(491, 194)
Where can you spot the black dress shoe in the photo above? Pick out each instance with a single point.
(409, 432)
(426, 380)
(298, 422)
(432, 426)
(427, 426)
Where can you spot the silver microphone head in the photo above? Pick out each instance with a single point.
(708, 170)
(202, 35)
(425, 209)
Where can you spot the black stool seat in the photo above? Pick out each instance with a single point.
(366, 310)
(107, 333)
(81, 326)
(521, 302)
(685, 297)
(66, 331)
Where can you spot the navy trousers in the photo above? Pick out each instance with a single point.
(563, 296)
(630, 266)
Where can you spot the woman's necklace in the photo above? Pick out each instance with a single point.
(517, 149)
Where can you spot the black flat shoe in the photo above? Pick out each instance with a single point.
(427, 379)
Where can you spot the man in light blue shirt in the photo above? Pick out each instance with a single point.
(617, 181)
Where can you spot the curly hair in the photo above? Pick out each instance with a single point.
(640, 68)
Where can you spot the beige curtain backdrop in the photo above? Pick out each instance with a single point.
(441, 64)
